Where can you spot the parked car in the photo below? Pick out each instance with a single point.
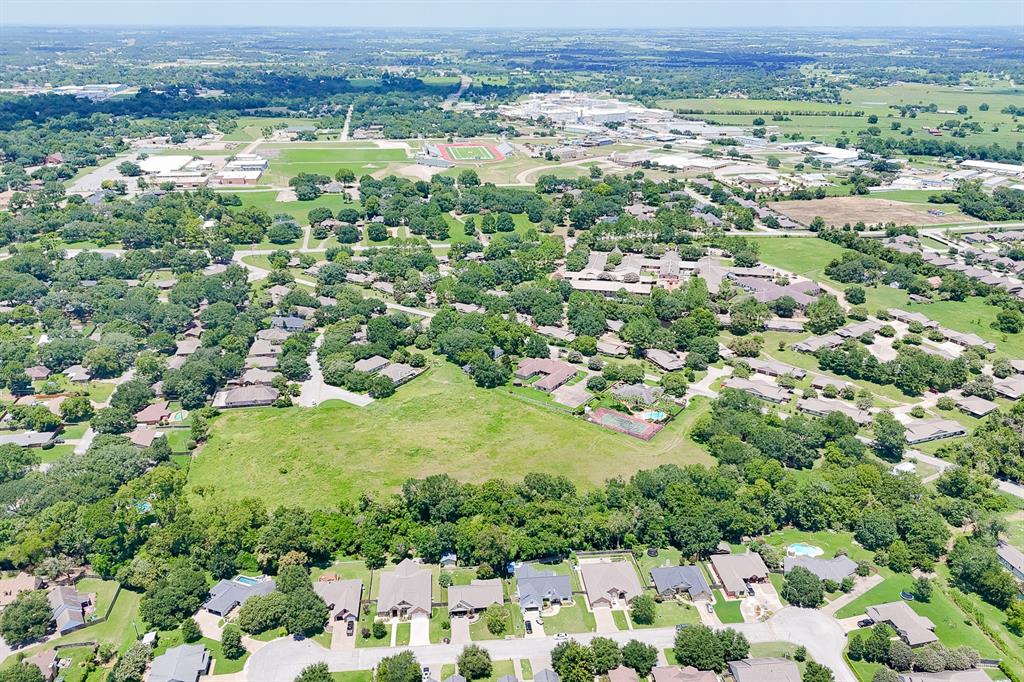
(710, 607)
(865, 623)
(682, 626)
(426, 673)
(529, 628)
(350, 628)
(562, 635)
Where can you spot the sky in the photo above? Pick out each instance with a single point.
(541, 14)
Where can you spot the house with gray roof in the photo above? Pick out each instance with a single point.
(371, 364)
(185, 663)
(477, 596)
(1011, 558)
(669, 362)
(549, 675)
(827, 569)
(976, 406)
(675, 673)
(537, 587)
(924, 430)
(638, 393)
(405, 591)
(69, 607)
(774, 368)
(734, 571)
(971, 675)
(672, 580)
(398, 372)
(256, 395)
(815, 343)
(759, 389)
(227, 594)
(915, 630)
(28, 439)
(821, 407)
(764, 670)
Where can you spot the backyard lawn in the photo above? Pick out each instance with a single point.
(728, 610)
(318, 456)
(951, 625)
(353, 676)
(168, 639)
(671, 613)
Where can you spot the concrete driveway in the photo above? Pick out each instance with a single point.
(605, 622)
(340, 641)
(460, 630)
(419, 631)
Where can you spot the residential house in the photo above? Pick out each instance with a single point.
(187, 346)
(779, 324)
(734, 571)
(37, 372)
(914, 629)
(246, 396)
(619, 674)
(1011, 558)
(261, 348)
(399, 373)
(975, 406)
(549, 675)
(675, 673)
(277, 336)
(371, 364)
(154, 414)
(820, 407)
(673, 580)
(256, 375)
(29, 439)
(405, 591)
(773, 368)
(759, 389)
(288, 323)
(477, 596)
(77, 374)
(12, 587)
(815, 343)
(47, 663)
(143, 437)
(821, 382)
(670, 362)
(538, 587)
(924, 430)
(638, 394)
(1012, 387)
(610, 582)
(184, 663)
(342, 598)
(764, 670)
(835, 569)
(70, 608)
(970, 675)
(554, 373)
(227, 594)
(557, 333)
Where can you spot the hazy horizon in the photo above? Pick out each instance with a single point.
(515, 14)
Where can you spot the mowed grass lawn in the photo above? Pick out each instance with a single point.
(951, 625)
(299, 210)
(808, 256)
(438, 423)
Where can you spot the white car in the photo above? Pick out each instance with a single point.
(562, 635)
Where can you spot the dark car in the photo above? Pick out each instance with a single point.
(350, 628)
(865, 623)
(529, 628)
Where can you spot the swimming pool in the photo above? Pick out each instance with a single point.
(246, 580)
(653, 416)
(803, 549)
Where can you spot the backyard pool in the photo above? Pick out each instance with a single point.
(246, 580)
(653, 416)
(803, 549)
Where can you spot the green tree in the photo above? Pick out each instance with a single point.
(890, 436)
(315, 672)
(190, 631)
(496, 617)
(825, 314)
(573, 661)
(640, 657)
(474, 663)
(643, 609)
(923, 589)
(698, 646)
(231, 642)
(132, 665)
(402, 667)
(24, 672)
(607, 654)
(734, 644)
(815, 672)
(803, 588)
(76, 409)
(26, 618)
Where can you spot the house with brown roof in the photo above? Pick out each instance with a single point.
(371, 364)
(670, 362)
(405, 591)
(342, 598)
(154, 414)
(621, 674)
(759, 389)
(675, 673)
(609, 583)
(764, 670)
(246, 396)
(553, 373)
(37, 372)
(475, 597)
(925, 430)
(735, 571)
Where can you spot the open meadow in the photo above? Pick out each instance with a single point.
(438, 423)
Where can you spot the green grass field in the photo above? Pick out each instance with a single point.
(571, 619)
(249, 127)
(728, 610)
(267, 200)
(875, 101)
(292, 160)
(470, 153)
(439, 423)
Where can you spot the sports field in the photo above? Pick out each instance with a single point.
(287, 162)
(470, 151)
(438, 423)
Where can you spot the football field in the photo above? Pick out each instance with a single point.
(470, 153)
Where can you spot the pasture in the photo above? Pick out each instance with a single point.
(438, 423)
(838, 211)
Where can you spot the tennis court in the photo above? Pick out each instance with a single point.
(623, 423)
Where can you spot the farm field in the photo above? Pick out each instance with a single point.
(337, 451)
(837, 211)
(813, 125)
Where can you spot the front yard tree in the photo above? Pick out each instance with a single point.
(606, 654)
(640, 657)
(803, 588)
(643, 609)
(574, 662)
(474, 662)
(890, 437)
(317, 672)
(496, 618)
(698, 646)
(26, 618)
(401, 667)
(815, 672)
(734, 644)
(231, 642)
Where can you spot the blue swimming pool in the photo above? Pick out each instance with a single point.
(653, 416)
(803, 549)
(246, 580)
